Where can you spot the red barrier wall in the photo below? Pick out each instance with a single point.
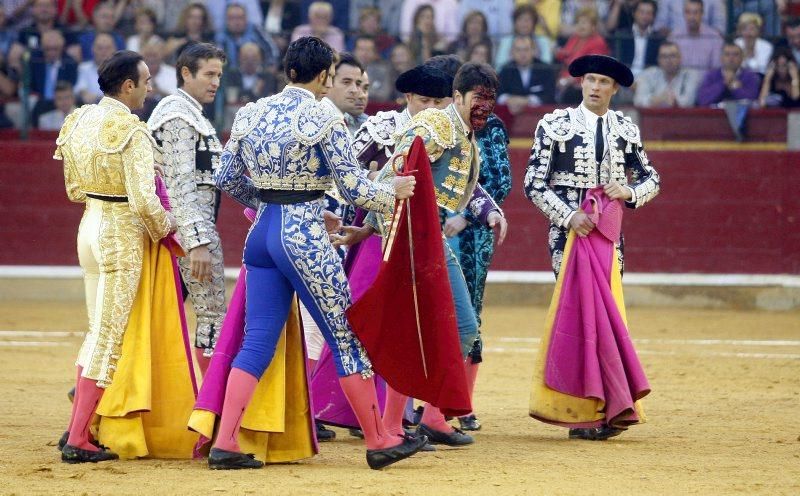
(719, 212)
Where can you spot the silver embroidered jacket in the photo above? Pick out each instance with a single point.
(191, 157)
(563, 156)
(290, 141)
(376, 138)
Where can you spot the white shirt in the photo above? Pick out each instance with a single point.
(639, 49)
(87, 81)
(166, 80)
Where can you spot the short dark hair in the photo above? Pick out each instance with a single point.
(792, 22)
(191, 56)
(364, 37)
(306, 57)
(702, 5)
(120, 67)
(472, 75)
(63, 84)
(347, 58)
(526, 9)
(449, 64)
(652, 3)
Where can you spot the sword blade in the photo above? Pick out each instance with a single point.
(414, 288)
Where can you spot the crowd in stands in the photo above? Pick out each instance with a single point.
(684, 53)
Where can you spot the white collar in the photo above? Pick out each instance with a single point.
(590, 118)
(341, 114)
(289, 87)
(191, 99)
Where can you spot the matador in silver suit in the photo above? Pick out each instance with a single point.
(191, 157)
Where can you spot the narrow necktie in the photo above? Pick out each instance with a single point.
(598, 141)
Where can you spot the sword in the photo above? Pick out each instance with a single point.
(414, 287)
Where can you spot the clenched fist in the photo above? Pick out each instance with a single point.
(404, 186)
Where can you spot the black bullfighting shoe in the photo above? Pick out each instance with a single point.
(380, 458)
(455, 438)
(219, 459)
(323, 433)
(594, 433)
(72, 454)
(357, 433)
(469, 423)
(65, 437)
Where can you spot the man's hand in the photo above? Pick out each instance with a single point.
(581, 224)
(173, 223)
(616, 191)
(497, 221)
(200, 259)
(159, 170)
(404, 186)
(333, 223)
(351, 236)
(454, 225)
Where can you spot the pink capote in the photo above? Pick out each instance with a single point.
(591, 354)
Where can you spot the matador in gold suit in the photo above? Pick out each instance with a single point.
(108, 157)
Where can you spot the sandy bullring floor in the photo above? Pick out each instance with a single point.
(723, 419)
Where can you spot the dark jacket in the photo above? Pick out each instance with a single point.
(67, 72)
(623, 47)
(541, 83)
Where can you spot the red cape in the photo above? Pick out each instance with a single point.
(385, 318)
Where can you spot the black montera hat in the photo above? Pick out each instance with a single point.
(426, 81)
(602, 64)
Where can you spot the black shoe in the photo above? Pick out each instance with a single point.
(323, 433)
(594, 433)
(428, 446)
(357, 433)
(380, 458)
(71, 394)
(455, 438)
(71, 454)
(219, 459)
(65, 437)
(469, 423)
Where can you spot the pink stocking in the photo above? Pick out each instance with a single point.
(394, 410)
(433, 418)
(471, 370)
(238, 393)
(75, 398)
(363, 399)
(87, 397)
(202, 360)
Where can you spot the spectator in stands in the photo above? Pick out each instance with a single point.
(444, 17)
(126, 11)
(425, 41)
(8, 89)
(17, 12)
(480, 53)
(525, 80)
(494, 11)
(792, 40)
(672, 19)
(251, 80)
(238, 31)
(102, 22)
(585, 41)
(729, 82)
(164, 78)
(65, 104)
(369, 24)
(280, 19)
(145, 28)
(48, 66)
(320, 18)
(341, 7)
(76, 14)
(7, 35)
(669, 84)
(218, 12)
(569, 15)
(391, 11)
(87, 88)
(769, 10)
(620, 16)
(380, 71)
(44, 14)
(402, 60)
(699, 43)
(757, 50)
(549, 17)
(781, 86)
(474, 30)
(526, 19)
(192, 27)
(637, 46)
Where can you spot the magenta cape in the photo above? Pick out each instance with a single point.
(591, 372)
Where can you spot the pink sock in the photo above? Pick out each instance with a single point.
(238, 393)
(394, 410)
(202, 361)
(471, 370)
(75, 398)
(433, 418)
(363, 400)
(87, 397)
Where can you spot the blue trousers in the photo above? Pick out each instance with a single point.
(287, 250)
(465, 313)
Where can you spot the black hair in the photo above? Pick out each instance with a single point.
(472, 75)
(306, 57)
(120, 67)
(63, 84)
(449, 64)
(191, 56)
(652, 3)
(347, 58)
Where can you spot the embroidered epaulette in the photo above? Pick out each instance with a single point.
(70, 124)
(313, 120)
(178, 107)
(246, 118)
(382, 127)
(558, 125)
(438, 124)
(116, 130)
(625, 127)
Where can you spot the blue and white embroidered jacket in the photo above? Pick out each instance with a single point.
(291, 141)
